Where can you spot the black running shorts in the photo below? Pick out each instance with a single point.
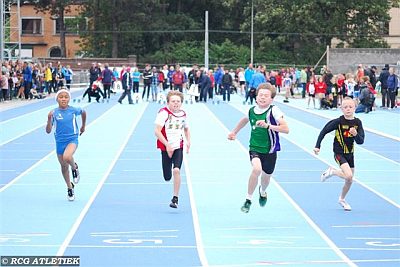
(268, 161)
(167, 162)
(345, 158)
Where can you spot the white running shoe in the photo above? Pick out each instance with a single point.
(344, 204)
(326, 174)
(75, 174)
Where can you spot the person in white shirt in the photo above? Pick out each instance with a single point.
(310, 88)
(171, 124)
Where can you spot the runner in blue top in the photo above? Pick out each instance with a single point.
(66, 135)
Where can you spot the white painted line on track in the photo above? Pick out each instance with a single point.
(81, 216)
(196, 224)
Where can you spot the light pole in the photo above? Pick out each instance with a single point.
(251, 34)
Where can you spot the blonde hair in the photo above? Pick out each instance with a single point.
(267, 86)
(173, 93)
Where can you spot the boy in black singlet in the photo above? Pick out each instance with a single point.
(348, 130)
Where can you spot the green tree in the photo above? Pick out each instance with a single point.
(285, 31)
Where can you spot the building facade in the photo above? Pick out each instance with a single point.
(393, 38)
(40, 35)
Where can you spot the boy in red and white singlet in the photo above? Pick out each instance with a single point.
(171, 124)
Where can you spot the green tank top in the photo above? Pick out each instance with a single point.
(259, 136)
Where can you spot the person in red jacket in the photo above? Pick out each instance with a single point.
(178, 78)
(341, 88)
(320, 90)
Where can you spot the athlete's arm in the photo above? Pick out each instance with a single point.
(187, 136)
(358, 134)
(163, 140)
(281, 128)
(239, 126)
(49, 124)
(83, 126)
(329, 127)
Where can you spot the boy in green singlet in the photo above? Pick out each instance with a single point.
(266, 121)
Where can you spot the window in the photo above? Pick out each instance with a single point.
(55, 52)
(31, 26)
(384, 28)
(72, 25)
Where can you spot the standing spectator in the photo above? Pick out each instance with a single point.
(126, 86)
(178, 78)
(287, 85)
(248, 74)
(171, 72)
(226, 86)
(68, 73)
(106, 78)
(161, 79)
(218, 79)
(115, 78)
(392, 87)
(136, 80)
(303, 81)
(320, 90)
(372, 76)
(147, 74)
(257, 79)
(211, 88)
(154, 84)
(350, 84)
(48, 78)
(204, 87)
(27, 74)
(383, 77)
(4, 85)
(192, 74)
(242, 81)
(310, 88)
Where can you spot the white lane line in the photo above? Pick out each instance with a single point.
(366, 226)
(330, 243)
(82, 215)
(373, 238)
(196, 224)
(28, 114)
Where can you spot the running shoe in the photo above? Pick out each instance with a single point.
(246, 206)
(263, 197)
(344, 204)
(174, 202)
(75, 174)
(71, 195)
(326, 174)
